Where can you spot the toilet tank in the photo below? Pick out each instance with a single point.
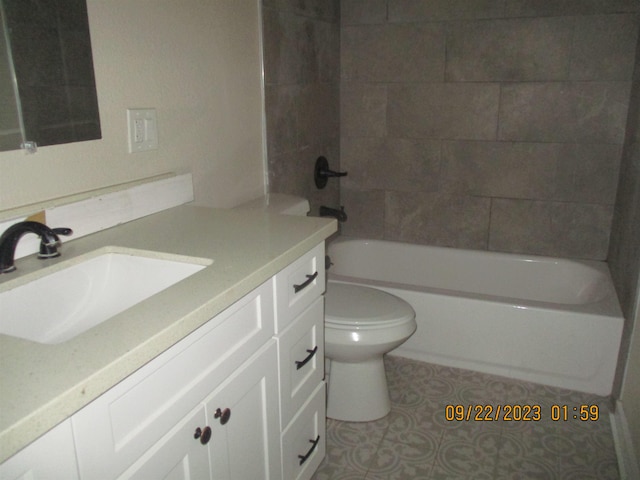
(279, 203)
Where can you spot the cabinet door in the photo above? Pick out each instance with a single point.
(244, 420)
(117, 428)
(50, 457)
(179, 455)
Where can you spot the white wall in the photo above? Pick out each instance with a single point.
(199, 64)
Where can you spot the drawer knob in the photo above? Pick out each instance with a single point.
(306, 283)
(203, 435)
(223, 415)
(303, 458)
(302, 363)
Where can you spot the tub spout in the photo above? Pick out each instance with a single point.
(339, 215)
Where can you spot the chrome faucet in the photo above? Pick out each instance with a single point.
(49, 242)
(339, 215)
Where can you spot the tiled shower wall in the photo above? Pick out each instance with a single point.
(624, 253)
(624, 250)
(485, 124)
(302, 85)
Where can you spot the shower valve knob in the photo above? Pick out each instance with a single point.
(322, 172)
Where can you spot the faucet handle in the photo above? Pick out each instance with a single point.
(62, 231)
(50, 249)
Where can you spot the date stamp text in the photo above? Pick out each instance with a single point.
(520, 413)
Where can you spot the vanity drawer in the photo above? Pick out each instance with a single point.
(304, 440)
(118, 427)
(301, 359)
(298, 285)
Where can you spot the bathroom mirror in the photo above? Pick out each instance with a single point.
(47, 84)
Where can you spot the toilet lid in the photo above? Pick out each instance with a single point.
(357, 305)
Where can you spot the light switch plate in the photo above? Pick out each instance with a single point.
(143, 129)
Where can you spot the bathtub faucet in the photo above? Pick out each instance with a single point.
(339, 215)
(49, 242)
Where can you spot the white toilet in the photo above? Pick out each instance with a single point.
(361, 325)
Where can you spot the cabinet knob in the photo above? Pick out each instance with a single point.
(223, 415)
(203, 435)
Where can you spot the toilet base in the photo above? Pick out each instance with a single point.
(358, 392)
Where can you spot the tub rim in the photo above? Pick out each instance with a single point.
(608, 305)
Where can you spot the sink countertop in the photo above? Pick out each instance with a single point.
(42, 385)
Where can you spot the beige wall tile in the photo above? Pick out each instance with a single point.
(550, 228)
(363, 110)
(528, 8)
(365, 210)
(443, 110)
(391, 164)
(301, 65)
(361, 12)
(437, 219)
(393, 53)
(583, 112)
(499, 169)
(437, 10)
(510, 50)
(604, 47)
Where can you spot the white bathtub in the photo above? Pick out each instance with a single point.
(540, 319)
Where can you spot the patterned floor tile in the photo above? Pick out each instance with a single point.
(352, 446)
(524, 454)
(471, 451)
(429, 433)
(399, 461)
(331, 472)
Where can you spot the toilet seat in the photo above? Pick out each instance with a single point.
(353, 306)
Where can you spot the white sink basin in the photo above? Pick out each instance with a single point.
(66, 302)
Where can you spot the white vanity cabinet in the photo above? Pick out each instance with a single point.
(142, 416)
(231, 435)
(244, 444)
(240, 398)
(300, 335)
(177, 455)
